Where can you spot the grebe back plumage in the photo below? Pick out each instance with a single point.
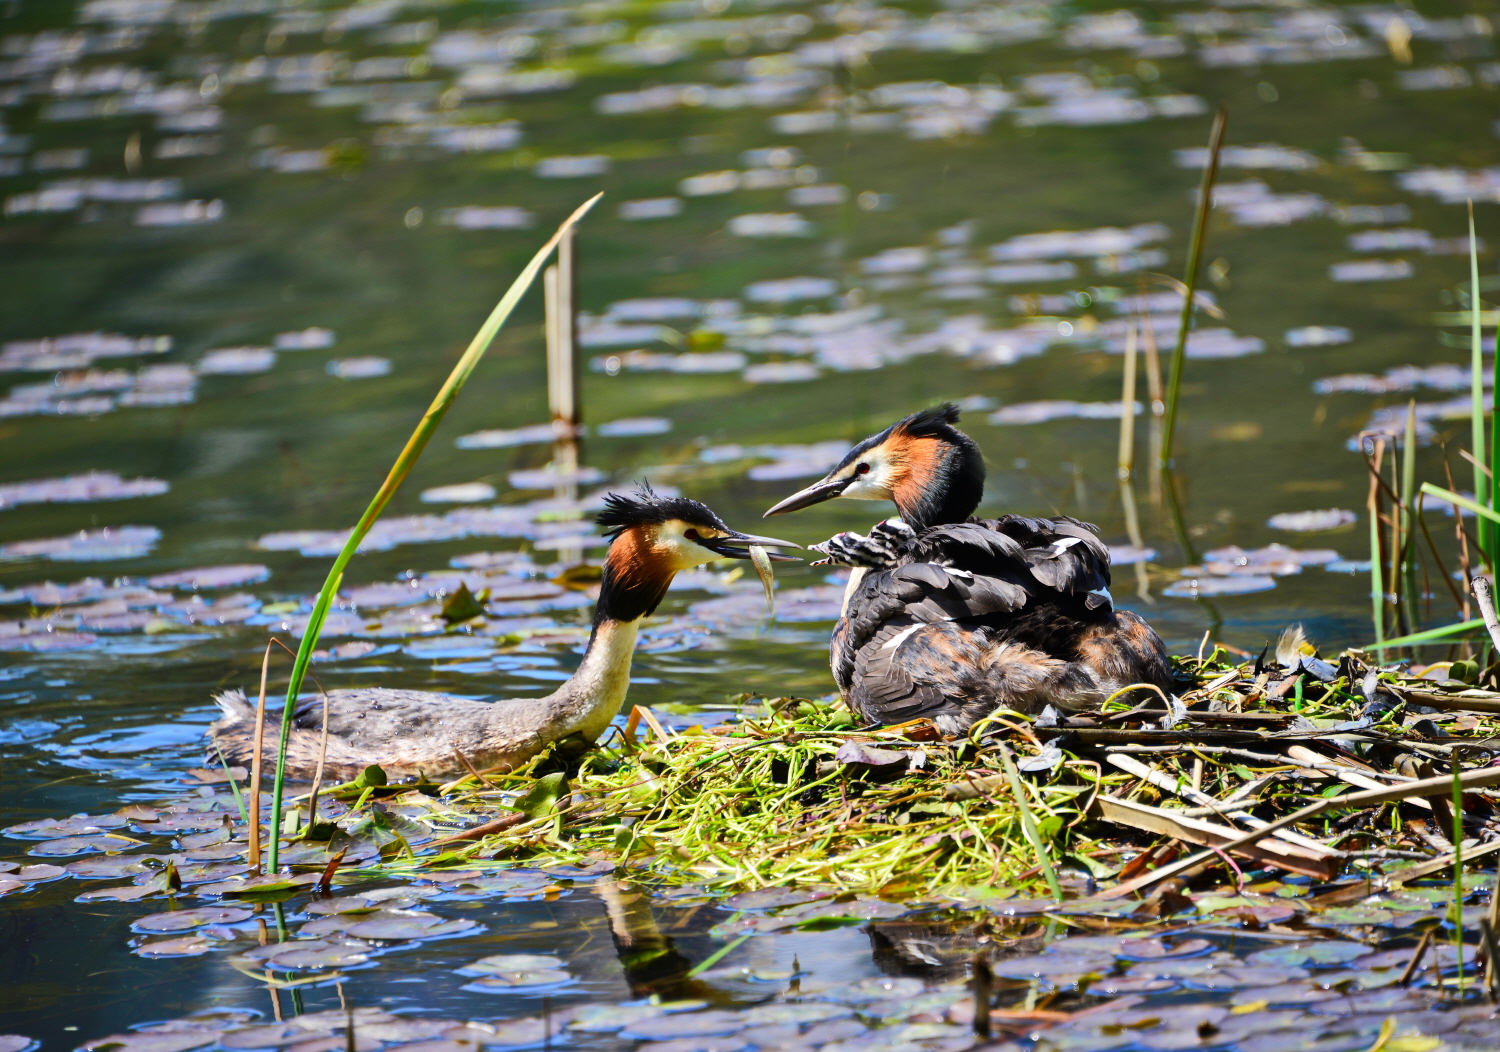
(951, 617)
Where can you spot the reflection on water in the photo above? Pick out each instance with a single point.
(244, 242)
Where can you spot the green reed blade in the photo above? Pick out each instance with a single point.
(1449, 497)
(1432, 635)
(1482, 485)
(399, 470)
(1028, 825)
(1190, 279)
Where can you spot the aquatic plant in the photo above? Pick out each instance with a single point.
(397, 474)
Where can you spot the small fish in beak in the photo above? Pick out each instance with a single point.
(762, 563)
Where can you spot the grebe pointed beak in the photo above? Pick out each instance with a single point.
(735, 545)
(817, 493)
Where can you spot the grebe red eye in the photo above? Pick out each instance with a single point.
(690, 534)
(862, 469)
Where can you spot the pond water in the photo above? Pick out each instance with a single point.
(245, 240)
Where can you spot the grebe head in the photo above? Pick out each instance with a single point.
(652, 538)
(931, 470)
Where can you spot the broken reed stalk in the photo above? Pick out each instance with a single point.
(1406, 518)
(312, 797)
(399, 470)
(1126, 465)
(1479, 778)
(1483, 485)
(1190, 279)
(1158, 406)
(1372, 509)
(256, 764)
(1458, 868)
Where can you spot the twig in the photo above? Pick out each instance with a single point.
(469, 767)
(496, 825)
(1476, 779)
(312, 801)
(1486, 600)
(1416, 959)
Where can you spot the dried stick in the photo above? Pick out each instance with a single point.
(1486, 600)
(1416, 959)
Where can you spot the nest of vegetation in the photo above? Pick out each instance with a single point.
(1353, 767)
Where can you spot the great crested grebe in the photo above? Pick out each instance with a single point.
(951, 617)
(410, 732)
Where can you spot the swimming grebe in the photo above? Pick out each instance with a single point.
(951, 617)
(410, 733)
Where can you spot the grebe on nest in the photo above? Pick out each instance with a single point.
(951, 617)
(410, 733)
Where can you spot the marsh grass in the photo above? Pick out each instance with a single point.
(399, 470)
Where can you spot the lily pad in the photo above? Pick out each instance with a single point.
(55, 828)
(700, 1044)
(79, 845)
(187, 946)
(186, 920)
(113, 866)
(519, 980)
(712, 1023)
(40, 873)
(1284, 994)
(126, 893)
(606, 1019)
(503, 963)
(172, 1041)
(1052, 965)
(319, 957)
(1313, 953)
(868, 991)
(771, 898)
(401, 924)
(8, 886)
(17, 1043)
(795, 1014)
(272, 1035)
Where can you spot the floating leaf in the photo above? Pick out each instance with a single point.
(605, 1019)
(185, 920)
(515, 980)
(17, 1043)
(318, 957)
(541, 799)
(272, 1035)
(188, 946)
(55, 828)
(711, 1023)
(794, 1014)
(79, 845)
(513, 962)
(868, 991)
(173, 1041)
(128, 893)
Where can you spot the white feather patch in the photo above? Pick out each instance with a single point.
(899, 638)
